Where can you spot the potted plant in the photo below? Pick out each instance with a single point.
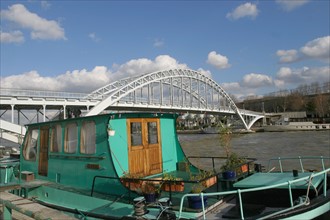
(195, 202)
(150, 191)
(232, 164)
(172, 183)
(207, 178)
(131, 181)
(233, 161)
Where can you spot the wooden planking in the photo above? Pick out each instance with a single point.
(30, 208)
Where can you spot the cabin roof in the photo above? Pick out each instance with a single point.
(112, 115)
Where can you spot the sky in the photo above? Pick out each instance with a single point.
(250, 48)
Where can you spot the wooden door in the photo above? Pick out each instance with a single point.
(144, 150)
(43, 151)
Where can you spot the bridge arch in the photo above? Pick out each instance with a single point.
(182, 89)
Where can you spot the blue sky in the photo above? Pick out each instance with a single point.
(248, 47)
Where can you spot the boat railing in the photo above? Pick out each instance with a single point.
(157, 180)
(300, 159)
(160, 180)
(248, 160)
(239, 192)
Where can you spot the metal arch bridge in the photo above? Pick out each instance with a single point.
(174, 90)
(181, 90)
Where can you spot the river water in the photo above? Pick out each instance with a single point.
(263, 146)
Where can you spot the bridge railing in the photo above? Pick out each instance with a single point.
(43, 94)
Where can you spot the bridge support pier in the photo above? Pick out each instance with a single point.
(12, 113)
(44, 112)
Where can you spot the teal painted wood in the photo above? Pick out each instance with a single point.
(268, 179)
(170, 146)
(312, 213)
(71, 169)
(111, 153)
(119, 145)
(9, 169)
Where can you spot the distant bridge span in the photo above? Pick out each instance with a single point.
(175, 89)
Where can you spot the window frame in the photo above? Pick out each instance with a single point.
(31, 145)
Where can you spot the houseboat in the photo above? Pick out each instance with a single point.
(131, 166)
(294, 121)
(297, 126)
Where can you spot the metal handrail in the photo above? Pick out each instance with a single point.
(42, 93)
(280, 159)
(240, 191)
(248, 160)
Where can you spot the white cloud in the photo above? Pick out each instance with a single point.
(279, 83)
(40, 28)
(305, 75)
(245, 10)
(86, 81)
(232, 86)
(318, 48)
(144, 65)
(94, 37)
(31, 80)
(284, 72)
(218, 60)
(248, 86)
(287, 56)
(255, 80)
(289, 5)
(239, 91)
(11, 37)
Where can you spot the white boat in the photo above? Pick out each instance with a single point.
(297, 126)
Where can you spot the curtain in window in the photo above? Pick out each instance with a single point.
(71, 138)
(87, 138)
(56, 139)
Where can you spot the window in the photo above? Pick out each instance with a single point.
(136, 134)
(56, 139)
(152, 133)
(71, 138)
(87, 138)
(30, 145)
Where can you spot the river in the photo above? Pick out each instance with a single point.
(262, 145)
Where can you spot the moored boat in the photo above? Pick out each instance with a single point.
(131, 166)
(297, 126)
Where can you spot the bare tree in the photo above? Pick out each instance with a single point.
(296, 102)
(321, 105)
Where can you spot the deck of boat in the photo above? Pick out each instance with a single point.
(28, 208)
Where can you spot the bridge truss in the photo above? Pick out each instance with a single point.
(176, 90)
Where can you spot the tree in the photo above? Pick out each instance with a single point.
(296, 102)
(321, 105)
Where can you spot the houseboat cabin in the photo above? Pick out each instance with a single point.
(74, 151)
